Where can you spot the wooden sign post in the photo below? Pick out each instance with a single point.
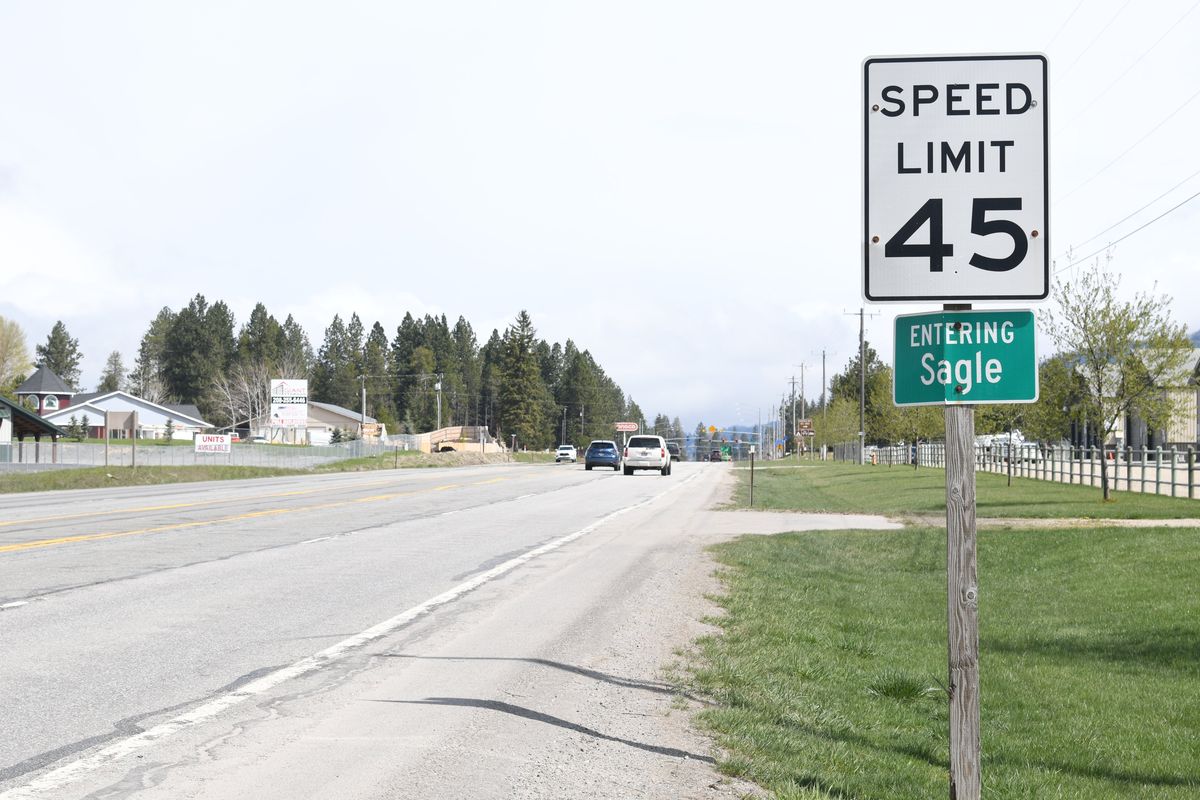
(963, 603)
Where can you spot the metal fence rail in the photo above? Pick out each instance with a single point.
(1164, 471)
(73, 454)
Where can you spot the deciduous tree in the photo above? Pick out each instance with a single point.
(14, 357)
(1128, 353)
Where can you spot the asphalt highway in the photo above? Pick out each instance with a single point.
(165, 641)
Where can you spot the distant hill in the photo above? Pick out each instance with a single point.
(1196, 338)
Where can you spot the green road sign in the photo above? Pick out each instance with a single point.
(965, 357)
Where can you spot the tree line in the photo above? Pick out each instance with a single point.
(425, 372)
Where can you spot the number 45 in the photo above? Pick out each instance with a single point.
(937, 250)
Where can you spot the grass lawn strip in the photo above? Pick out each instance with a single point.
(905, 492)
(830, 670)
(99, 477)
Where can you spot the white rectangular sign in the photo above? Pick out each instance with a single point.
(956, 187)
(289, 404)
(213, 442)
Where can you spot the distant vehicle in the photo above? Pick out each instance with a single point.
(647, 452)
(602, 453)
(714, 455)
(565, 452)
(676, 453)
(257, 440)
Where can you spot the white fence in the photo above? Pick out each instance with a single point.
(1170, 471)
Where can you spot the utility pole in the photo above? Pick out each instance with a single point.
(437, 388)
(362, 419)
(800, 440)
(563, 439)
(824, 405)
(793, 431)
(862, 383)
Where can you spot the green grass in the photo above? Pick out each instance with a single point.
(850, 488)
(533, 458)
(97, 477)
(830, 670)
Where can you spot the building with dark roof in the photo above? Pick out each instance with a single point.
(43, 392)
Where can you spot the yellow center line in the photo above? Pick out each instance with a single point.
(92, 537)
(177, 506)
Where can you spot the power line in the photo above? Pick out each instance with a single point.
(1063, 27)
(1134, 213)
(1136, 61)
(1129, 149)
(1077, 262)
(1095, 39)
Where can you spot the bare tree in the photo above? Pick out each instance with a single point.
(1128, 354)
(244, 391)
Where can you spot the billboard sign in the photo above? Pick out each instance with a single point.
(289, 404)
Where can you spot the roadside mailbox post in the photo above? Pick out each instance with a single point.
(956, 209)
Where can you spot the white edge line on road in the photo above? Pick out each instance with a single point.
(14, 604)
(57, 778)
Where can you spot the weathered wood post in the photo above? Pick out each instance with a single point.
(963, 604)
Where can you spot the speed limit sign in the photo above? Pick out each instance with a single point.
(956, 189)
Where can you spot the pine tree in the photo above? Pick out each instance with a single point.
(260, 340)
(113, 377)
(60, 354)
(85, 427)
(335, 376)
(147, 379)
(522, 393)
(379, 372)
(295, 351)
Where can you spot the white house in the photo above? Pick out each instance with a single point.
(152, 418)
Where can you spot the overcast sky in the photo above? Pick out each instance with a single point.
(588, 162)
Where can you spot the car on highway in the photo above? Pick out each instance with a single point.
(676, 453)
(647, 452)
(565, 452)
(602, 453)
(714, 455)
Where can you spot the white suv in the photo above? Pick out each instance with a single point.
(647, 452)
(565, 452)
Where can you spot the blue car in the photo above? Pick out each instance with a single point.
(602, 453)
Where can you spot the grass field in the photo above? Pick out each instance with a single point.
(99, 477)
(829, 673)
(845, 488)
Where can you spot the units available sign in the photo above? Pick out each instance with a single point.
(289, 403)
(213, 443)
(965, 357)
(956, 191)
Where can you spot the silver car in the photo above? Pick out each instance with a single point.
(647, 452)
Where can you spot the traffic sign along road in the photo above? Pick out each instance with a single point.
(965, 357)
(956, 194)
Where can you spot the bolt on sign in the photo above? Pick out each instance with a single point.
(956, 190)
(965, 357)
